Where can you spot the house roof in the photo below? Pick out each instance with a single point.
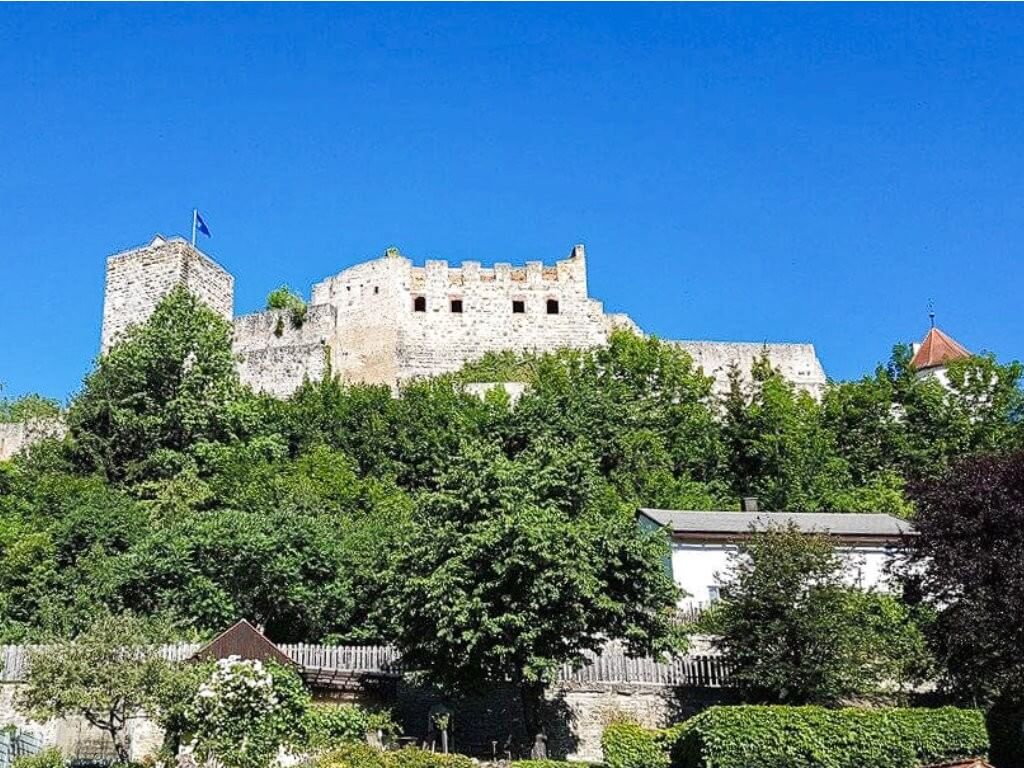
(244, 640)
(849, 525)
(937, 349)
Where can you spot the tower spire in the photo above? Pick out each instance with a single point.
(931, 312)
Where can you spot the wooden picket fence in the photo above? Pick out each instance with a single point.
(347, 658)
(612, 665)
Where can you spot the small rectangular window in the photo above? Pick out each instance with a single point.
(419, 304)
(518, 307)
(552, 306)
(457, 306)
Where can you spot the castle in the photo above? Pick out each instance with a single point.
(386, 321)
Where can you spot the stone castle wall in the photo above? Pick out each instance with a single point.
(531, 308)
(386, 321)
(138, 279)
(367, 300)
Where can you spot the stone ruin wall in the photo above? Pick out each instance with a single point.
(138, 279)
(798, 363)
(17, 436)
(275, 354)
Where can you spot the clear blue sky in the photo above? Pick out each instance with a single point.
(740, 172)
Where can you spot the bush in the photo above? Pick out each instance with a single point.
(326, 726)
(412, 757)
(626, 744)
(285, 298)
(354, 755)
(365, 756)
(814, 737)
(48, 758)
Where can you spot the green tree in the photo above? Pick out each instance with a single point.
(518, 566)
(645, 414)
(59, 535)
(794, 632)
(166, 388)
(107, 675)
(898, 424)
(27, 408)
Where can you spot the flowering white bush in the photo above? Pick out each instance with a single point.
(245, 711)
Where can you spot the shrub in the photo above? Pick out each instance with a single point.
(285, 298)
(354, 755)
(412, 757)
(629, 745)
(326, 726)
(245, 711)
(814, 737)
(364, 756)
(48, 758)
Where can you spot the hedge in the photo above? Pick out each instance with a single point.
(815, 737)
(626, 744)
(364, 756)
(326, 726)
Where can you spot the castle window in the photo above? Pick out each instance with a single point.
(457, 306)
(419, 304)
(376, 289)
(518, 306)
(552, 306)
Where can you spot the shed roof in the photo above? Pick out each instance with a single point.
(860, 525)
(244, 640)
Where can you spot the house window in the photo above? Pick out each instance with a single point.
(457, 306)
(518, 306)
(552, 306)
(419, 304)
(714, 593)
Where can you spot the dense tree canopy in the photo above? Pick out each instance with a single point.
(178, 492)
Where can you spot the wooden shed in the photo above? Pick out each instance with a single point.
(245, 641)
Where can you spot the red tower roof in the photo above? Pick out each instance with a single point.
(937, 349)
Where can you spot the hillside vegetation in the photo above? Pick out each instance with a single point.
(179, 492)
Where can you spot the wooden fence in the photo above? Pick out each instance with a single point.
(612, 665)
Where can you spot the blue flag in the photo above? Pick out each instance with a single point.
(201, 225)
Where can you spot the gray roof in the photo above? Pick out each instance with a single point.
(855, 524)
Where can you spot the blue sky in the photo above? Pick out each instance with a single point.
(737, 172)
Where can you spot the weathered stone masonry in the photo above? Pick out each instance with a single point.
(386, 321)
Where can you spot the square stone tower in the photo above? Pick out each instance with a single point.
(138, 279)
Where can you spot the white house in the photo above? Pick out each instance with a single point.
(703, 541)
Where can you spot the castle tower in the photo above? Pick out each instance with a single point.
(138, 279)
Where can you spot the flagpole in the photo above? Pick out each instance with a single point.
(195, 213)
